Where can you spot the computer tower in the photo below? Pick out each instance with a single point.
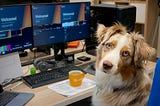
(108, 14)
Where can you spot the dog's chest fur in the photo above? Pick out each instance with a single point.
(105, 85)
(107, 82)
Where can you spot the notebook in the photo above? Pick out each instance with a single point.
(8, 98)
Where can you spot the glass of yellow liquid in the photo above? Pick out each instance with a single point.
(76, 77)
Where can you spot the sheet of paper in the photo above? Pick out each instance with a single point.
(10, 66)
(65, 89)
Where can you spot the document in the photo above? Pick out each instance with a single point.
(65, 89)
(10, 66)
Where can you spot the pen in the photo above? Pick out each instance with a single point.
(16, 85)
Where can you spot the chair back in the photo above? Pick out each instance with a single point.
(154, 98)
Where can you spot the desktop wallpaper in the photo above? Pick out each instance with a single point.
(55, 23)
(75, 21)
(45, 31)
(15, 28)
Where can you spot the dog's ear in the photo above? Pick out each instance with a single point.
(101, 30)
(106, 32)
(142, 50)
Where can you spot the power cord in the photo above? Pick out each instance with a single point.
(8, 81)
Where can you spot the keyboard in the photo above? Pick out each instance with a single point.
(6, 97)
(47, 77)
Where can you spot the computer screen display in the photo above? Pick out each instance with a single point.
(15, 28)
(63, 22)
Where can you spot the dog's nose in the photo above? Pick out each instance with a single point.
(107, 65)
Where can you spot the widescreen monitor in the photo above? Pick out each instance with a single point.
(15, 28)
(62, 22)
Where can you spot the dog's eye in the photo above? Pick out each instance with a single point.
(108, 45)
(125, 53)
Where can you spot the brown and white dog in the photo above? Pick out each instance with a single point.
(121, 79)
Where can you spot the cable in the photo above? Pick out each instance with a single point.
(83, 46)
(10, 81)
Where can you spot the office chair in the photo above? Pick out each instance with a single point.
(155, 94)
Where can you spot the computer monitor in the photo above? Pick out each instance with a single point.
(15, 28)
(61, 22)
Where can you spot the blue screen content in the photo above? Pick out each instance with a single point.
(57, 23)
(15, 28)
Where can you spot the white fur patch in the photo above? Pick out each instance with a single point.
(108, 82)
(114, 55)
(105, 83)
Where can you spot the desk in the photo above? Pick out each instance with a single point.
(46, 97)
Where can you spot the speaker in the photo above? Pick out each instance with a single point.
(108, 14)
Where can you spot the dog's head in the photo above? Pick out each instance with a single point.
(119, 51)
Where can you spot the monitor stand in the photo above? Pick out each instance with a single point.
(59, 47)
(64, 58)
(10, 66)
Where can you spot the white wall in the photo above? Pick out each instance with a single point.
(82, 1)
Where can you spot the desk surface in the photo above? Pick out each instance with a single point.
(46, 97)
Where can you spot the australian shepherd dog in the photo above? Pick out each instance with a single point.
(121, 78)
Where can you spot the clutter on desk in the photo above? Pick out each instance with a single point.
(64, 88)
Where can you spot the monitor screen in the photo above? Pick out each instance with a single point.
(62, 22)
(15, 28)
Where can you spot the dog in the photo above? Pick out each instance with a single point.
(121, 78)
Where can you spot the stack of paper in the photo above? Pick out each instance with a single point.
(65, 89)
